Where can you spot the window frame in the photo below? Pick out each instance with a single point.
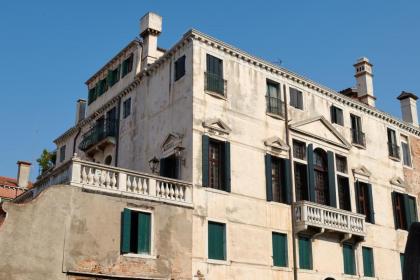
(278, 99)
(405, 141)
(353, 251)
(286, 247)
(299, 102)
(127, 108)
(226, 235)
(62, 153)
(334, 117)
(221, 165)
(179, 65)
(370, 250)
(310, 251)
(214, 78)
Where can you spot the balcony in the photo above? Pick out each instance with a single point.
(98, 137)
(315, 218)
(215, 84)
(358, 137)
(394, 150)
(114, 181)
(275, 106)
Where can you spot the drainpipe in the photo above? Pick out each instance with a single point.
(286, 116)
(117, 136)
(75, 139)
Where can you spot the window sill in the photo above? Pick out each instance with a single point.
(350, 276)
(281, 268)
(394, 158)
(300, 109)
(359, 146)
(275, 116)
(217, 95)
(218, 262)
(304, 270)
(140, 256)
(216, 191)
(408, 166)
(284, 204)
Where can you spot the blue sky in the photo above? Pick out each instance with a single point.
(48, 49)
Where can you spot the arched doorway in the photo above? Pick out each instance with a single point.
(321, 176)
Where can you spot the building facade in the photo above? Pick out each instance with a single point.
(269, 174)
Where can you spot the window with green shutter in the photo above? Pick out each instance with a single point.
(91, 95)
(279, 249)
(305, 252)
(368, 265)
(127, 66)
(349, 259)
(216, 241)
(136, 231)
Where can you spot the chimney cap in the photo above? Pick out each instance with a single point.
(363, 60)
(23, 162)
(406, 94)
(81, 100)
(150, 23)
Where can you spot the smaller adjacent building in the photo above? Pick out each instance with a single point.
(10, 188)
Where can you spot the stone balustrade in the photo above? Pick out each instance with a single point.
(114, 180)
(309, 214)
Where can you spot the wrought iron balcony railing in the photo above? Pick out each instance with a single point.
(97, 133)
(393, 150)
(215, 83)
(275, 106)
(358, 137)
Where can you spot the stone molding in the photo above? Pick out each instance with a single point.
(398, 181)
(276, 143)
(217, 125)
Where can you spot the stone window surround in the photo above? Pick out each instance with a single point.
(206, 242)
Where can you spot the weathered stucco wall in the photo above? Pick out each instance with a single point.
(67, 229)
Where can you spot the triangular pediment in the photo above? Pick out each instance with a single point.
(276, 143)
(321, 129)
(217, 125)
(398, 181)
(172, 140)
(362, 171)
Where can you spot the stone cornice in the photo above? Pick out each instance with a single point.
(357, 105)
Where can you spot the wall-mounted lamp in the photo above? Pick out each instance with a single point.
(179, 151)
(154, 164)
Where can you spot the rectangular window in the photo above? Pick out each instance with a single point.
(357, 135)
(296, 98)
(405, 210)
(113, 76)
(301, 183)
(277, 180)
(179, 68)
(364, 201)
(102, 87)
(305, 252)
(337, 115)
(393, 148)
(349, 259)
(127, 65)
(214, 81)
(170, 167)
(273, 99)
(343, 193)
(279, 241)
(62, 153)
(341, 164)
(91, 95)
(405, 151)
(127, 108)
(136, 232)
(299, 150)
(216, 241)
(368, 265)
(218, 162)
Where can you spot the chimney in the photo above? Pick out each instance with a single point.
(364, 80)
(409, 107)
(24, 169)
(150, 28)
(80, 110)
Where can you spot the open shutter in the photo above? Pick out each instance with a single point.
(287, 180)
(205, 160)
(394, 208)
(410, 210)
(227, 166)
(357, 193)
(311, 174)
(268, 178)
(331, 180)
(144, 233)
(371, 208)
(126, 231)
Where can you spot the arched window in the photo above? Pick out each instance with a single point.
(321, 177)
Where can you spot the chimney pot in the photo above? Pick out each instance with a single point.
(408, 101)
(364, 81)
(24, 169)
(150, 28)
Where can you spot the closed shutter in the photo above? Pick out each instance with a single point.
(144, 233)
(402, 262)
(268, 178)
(410, 210)
(227, 166)
(340, 120)
(331, 180)
(357, 194)
(287, 181)
(394, 208)
(279, 249)
(110, 78)
(216, 241)
(205, 160)
(368, 266)
(126, 231)
(311, 174)
(370, 204)
(300, 99)
(305, 253)
(349, 259)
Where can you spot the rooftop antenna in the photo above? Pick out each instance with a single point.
(278, 61)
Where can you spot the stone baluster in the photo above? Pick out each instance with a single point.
(153, 187)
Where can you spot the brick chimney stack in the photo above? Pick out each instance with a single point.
(150, 28)
(24, 170)
(364, 80)
(408, 103)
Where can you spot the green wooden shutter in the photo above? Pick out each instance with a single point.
(402, 263)
(109, 78)
(305, 253)
(268, 178)
(205, 160)
(410, 210)
(371, 208)
(144, 233)
(279, 249)
(331, 180)
(394, 209)
(368, 265)
(349, 259)
(287, 184)
(126, 231)
(216, 241)
(227, 166)
(357, 191)
(311, 175)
